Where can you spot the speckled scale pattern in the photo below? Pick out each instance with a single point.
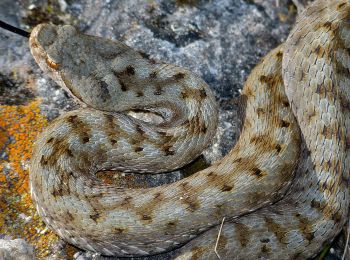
(272, 209)
(315, 208)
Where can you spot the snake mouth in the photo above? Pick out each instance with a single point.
(42, 37)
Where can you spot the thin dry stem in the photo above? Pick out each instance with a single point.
(217, 240)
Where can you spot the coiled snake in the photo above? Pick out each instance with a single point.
(271, 212)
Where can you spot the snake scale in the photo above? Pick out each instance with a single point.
(283, 188)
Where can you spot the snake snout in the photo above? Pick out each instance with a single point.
(47, 44)
(44, 34)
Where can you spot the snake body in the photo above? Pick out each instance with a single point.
(273, 211)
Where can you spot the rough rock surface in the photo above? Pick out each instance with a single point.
(16, 249)
(219, 40)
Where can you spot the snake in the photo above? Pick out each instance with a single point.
(282, 189)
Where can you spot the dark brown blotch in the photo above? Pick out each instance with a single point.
(123, 87)
(72, 119)
(95, 216)
(126, 202)
(153, 75)
(327, 132)
(192, 204)
(70, 216)
(157, 195)
(110, 121)
(316, 205)
(167, 151)
(179, 76)
(257, 172)
(286, 104)
(242, 234)
(226, 188)
(118, 230)
(43, 160)
(276, 228)
(139, 130)
(170, 227)
(134, 141)
(278, 148)
(267, 79)
(138, 149)
(319, 51)
(284, 123)
(260, 112)
(60, 189)
(171, 224)
(327, 25)
(219, 210)
(238, 160)
(196, 94)
(259, 139)
(198, 126)
(184, 95)
(265, 249)
(69, 152)
(212, 176)
(341, 5)
(78, 126)
(113, 141)
(130, 70)
(158, 90)
(61, 148)
(57, 192)
(198, 252)
(202, 93)
(50, 140)
(337, 217)
(305, 226)
(85, 139)
(139, 94)
(146, 217)
(221, 243)
(185, 186)
(279, 55)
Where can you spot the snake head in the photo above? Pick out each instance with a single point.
(60, 53)
(46, 44)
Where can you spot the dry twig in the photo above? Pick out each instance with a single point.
(218, 238)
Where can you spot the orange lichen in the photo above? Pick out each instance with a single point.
(19, 127)
(3, 137)
(18, 217)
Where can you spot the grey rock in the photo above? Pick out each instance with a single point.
(16, 249)
(220, 40)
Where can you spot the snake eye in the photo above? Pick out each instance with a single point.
(53, 65)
